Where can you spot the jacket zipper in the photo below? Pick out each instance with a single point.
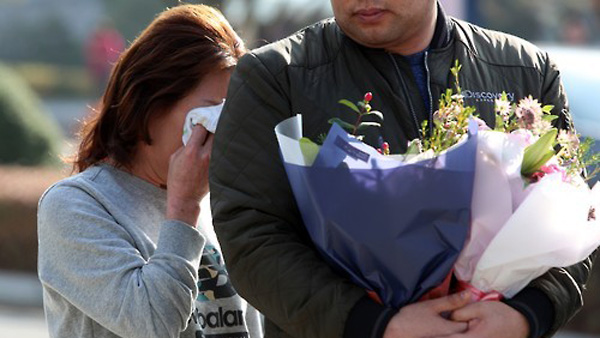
(406, 93)
(429, 89)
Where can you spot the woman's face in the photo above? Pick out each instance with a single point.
(152, 161)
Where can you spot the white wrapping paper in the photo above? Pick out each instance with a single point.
(518, 233)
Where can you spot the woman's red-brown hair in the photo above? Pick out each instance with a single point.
(164, 63)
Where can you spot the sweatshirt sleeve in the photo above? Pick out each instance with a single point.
(87, 258)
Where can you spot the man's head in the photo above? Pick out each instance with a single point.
(399, 26)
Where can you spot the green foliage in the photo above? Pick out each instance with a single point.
(589, 159)
(349, 105)
(450, 122)
(362, 109)
(51, 80)
(349, 127)
(309, 149)
(27, 135)
(537, 154)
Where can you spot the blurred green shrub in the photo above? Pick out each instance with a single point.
(27, 135)
(51, 80)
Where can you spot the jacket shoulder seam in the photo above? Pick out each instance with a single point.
(475, 54)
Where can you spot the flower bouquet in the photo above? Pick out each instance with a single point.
(399, 225)
(532, 210)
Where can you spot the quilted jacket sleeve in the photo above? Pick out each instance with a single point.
(268, 253)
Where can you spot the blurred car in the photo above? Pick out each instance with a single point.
(580, 72)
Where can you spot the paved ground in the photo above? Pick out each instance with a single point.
(21, 314)
(22, 322)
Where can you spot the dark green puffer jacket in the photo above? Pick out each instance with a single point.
(270, 257)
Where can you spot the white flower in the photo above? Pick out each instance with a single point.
(569, 143)
(529, 115)
(567, 138)
(449, 113)
(503, 108)
(540, 127)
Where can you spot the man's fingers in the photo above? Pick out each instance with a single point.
(452, 302)
(470, 331)
(460, 335)
(456, 327)
(466, 313)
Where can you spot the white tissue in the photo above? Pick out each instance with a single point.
(206, 116)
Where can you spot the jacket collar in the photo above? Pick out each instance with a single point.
(443, 27)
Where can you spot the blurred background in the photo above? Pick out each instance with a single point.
(55, 58)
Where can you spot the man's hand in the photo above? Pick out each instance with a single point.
(187, 182)
(426, 319)
(490, 319)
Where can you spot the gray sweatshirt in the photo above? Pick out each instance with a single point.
(112, 266)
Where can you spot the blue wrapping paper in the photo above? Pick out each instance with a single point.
(392, 228)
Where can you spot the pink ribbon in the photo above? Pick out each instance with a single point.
(479, 295)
